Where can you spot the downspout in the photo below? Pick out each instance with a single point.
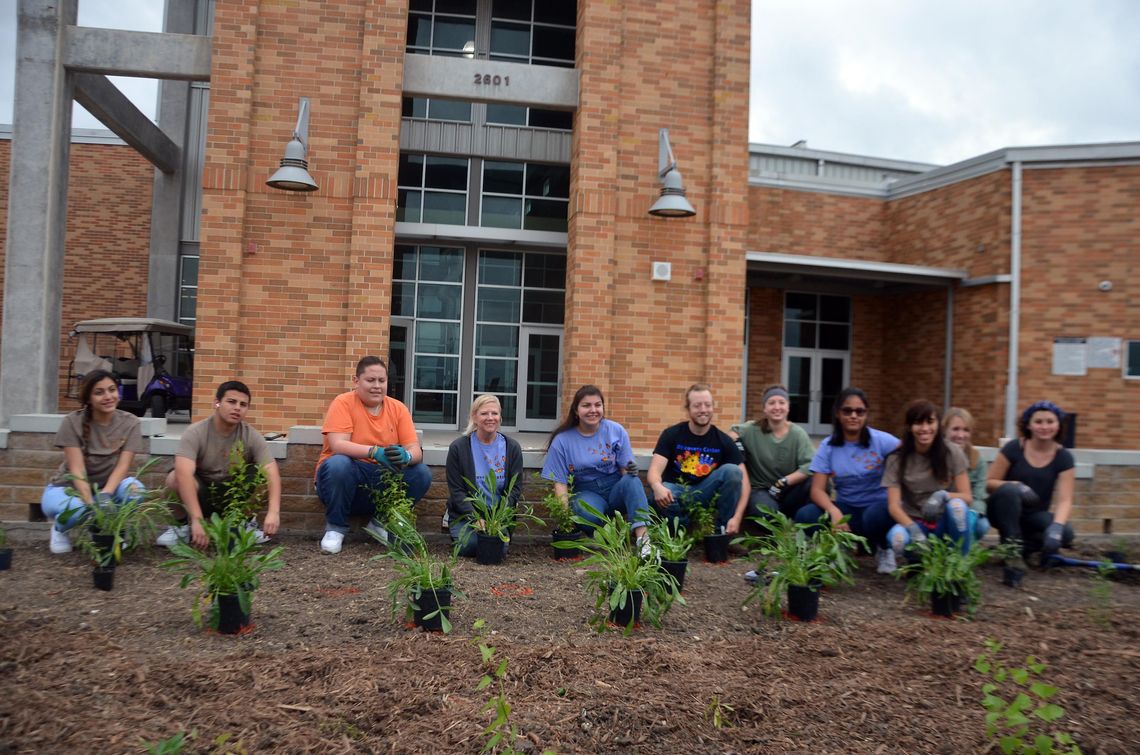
(948, 369)
(1011, 395)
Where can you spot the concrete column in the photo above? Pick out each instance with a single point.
(37, 211)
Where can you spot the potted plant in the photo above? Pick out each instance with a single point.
(947, 577)
(496, 517)
(626, 587)
(673, 543)
(5, 551)
(226, 574)
(702, 525)
(799, 559)
(423, 584)
(561, 515)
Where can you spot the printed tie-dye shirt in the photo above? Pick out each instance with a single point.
(588, 458)
(856, 471)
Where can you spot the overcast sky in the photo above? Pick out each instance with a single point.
(927, 80)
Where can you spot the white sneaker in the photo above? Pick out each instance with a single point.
(260, 536)
(374, 529)
(751, 577)
(645, 549)
(331, 542)
(60, 542)
(173, 535)
(445, 521)
(885, 561)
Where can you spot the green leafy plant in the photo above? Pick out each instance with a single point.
(495, 515)
(417, 571)
(128, 524)
(245, 490)
(1101, 592)
(502, 735)
(616, 570)
(1017, 723)
(393, 509)
(702, 514)
(558, 508)
(3, 538)
(670, 538)
(799, 554)
(171, 745)
(943, 569)
(232, 565)
(719, 713)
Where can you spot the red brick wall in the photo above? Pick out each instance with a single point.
(822, 225)
(108, 238)
(1080, 227)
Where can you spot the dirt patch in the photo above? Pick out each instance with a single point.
(327, 668)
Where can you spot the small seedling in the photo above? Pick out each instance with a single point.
(1017, 723)
(719, 713)
(1101, 592)
(501, 733)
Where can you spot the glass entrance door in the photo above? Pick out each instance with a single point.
(814, 379)
(399, 366)
(540, 375)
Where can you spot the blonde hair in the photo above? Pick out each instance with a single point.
(478, 404)
(957, 412)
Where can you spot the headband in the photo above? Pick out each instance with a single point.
(1038, 406)
(777, 391)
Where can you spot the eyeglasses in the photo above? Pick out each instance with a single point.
(849, 411)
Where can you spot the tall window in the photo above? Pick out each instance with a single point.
(1132, 359)
(442, 27)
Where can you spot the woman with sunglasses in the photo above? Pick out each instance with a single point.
(1029, 476)
(852, 460)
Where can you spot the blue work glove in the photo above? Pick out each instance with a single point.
(1028, 496)
(934, 506)
(917, 533)
(376, 453)
(1053, 534)
(777, 488)
(397, 456)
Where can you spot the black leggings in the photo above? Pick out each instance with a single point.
(1018, 523)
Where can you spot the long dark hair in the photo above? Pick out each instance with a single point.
(918, 411)
(86, 388)
(837, 438)
(572, 420)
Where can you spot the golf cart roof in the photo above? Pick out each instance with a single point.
(132, 325)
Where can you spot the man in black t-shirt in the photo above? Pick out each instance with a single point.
(695, 459)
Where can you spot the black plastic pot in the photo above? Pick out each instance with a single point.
(676, 569)
(557, 537)
(231, 619)
(104, 544)
(631, 611)
(803, 602)
(103, 577)
(5, 559)
(428, 602)
(716, 548)
(1011, 577)
(489, 549)
(945, 605)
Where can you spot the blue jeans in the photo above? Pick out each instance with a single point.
(958, 521)
(55, 501)
(872, 522)
(724, 482)
(617, 492)
(345, 487)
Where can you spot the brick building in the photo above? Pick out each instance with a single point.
(485, 170)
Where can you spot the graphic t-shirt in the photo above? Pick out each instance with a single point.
(691, 457)
(103, 446)
(856, 471)
(488, 457)
(588, 457)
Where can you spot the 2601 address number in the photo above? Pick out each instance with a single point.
(487, 80)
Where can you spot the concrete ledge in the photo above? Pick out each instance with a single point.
(1085, 470)
(151, 426)
(308, 435)
(4, 438)
(163, 446)
(36, 423)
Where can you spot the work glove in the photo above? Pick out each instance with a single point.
(934, 506)
(917, 533)
(1028, 496)
(631, 468)
(397, 456)
(777, 488)
(1053, 534)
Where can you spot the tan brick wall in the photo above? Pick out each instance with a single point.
(108, 239)
(817, 224)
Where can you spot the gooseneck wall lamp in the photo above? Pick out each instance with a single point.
(672, 202)
(293, 175)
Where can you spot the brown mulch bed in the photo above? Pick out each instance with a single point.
(327, 669)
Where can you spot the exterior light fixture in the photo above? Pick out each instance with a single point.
(672, 202)
(293, 175)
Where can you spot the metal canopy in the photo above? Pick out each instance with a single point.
(133, 324)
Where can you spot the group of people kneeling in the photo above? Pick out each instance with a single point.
(894, 493)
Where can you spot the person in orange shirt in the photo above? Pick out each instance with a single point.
(367, 433)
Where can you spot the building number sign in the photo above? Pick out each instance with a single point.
(487, 80)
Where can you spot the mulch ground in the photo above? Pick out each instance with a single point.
(328, 669)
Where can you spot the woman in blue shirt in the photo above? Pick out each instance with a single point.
(852, 460)
(482, 448)
(596, 453)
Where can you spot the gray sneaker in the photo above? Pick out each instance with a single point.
(751, 577)
(374, 529)
(173, 535)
